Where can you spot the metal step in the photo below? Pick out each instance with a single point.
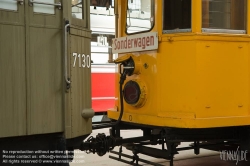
(132, 158)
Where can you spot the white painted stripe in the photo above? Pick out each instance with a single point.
(103, 98)
(97, 118)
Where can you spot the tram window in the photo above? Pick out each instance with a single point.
(8, 5)
(140, 16)
(176, 16)
(224, 15)
(44, 8)
(77, 9)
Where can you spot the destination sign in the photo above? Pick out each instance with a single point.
(133, 43)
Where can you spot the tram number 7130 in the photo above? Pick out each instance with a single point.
(83, 60)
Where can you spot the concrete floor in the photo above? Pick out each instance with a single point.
(184, 158)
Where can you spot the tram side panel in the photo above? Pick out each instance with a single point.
(12, 71)
(103, 90)
(223, 80)
(44, 71)
(211, 81)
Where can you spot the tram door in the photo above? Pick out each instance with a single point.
(78, 72)
(30, 49)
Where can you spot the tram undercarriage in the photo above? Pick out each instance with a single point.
(216, 139)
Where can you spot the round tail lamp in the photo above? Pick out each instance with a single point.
(134, 93)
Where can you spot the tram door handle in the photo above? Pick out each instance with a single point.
(66, 30)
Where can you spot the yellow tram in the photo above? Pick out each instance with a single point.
(197, 76)
(183, 75)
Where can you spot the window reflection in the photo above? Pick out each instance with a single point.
(224, 14)
(77, 9)
(140, 16)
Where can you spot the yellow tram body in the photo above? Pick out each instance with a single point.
(194, 79)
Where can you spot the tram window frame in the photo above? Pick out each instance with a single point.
(171, 15)
(229, 14)
(151, 19)
(82, 21)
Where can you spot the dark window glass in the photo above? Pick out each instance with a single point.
(177, 14)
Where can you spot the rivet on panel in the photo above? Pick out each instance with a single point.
(145, 65)
(208, 106)
(170, 39)
(240, 105)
